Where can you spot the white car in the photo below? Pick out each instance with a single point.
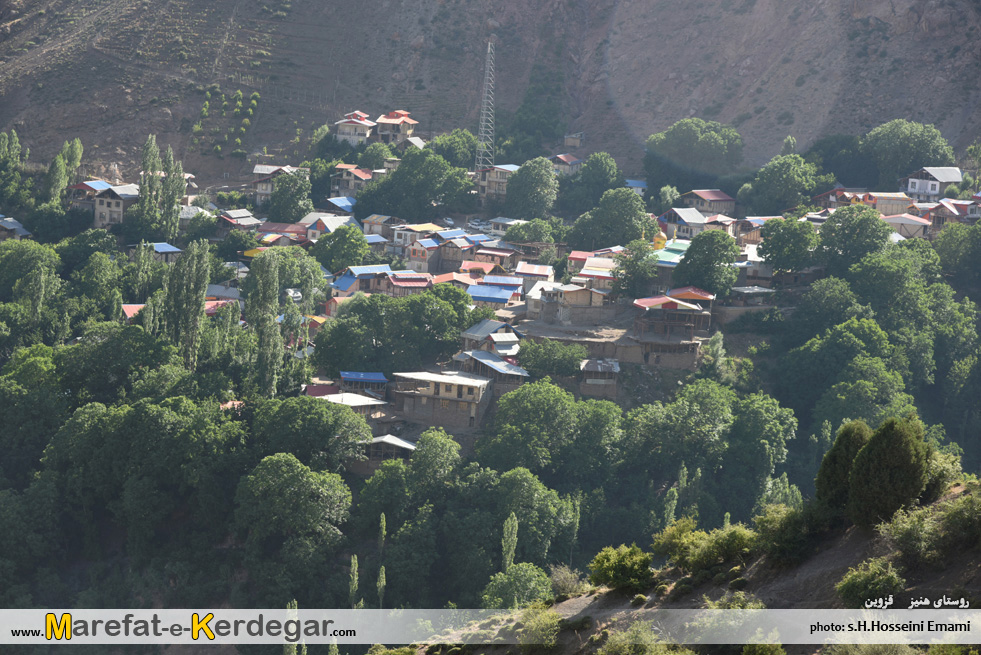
(448, 221)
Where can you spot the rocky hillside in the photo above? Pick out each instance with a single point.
(111, 71)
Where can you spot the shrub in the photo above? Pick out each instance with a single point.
(874, 578)
(582, 623)
(960, 521)
(942, 470)
(915, 534)
(738, 584)
(566, 581)
(889, 472)
(626, 567)
(639, 599)
(640, 638)
(541, 627)
(681, 590)
(661, 590)
(699, 551)
(833, 477)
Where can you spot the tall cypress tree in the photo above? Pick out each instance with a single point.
(833, 477)
(262, 305)
(509, 542)
(184, 303)
(889, 472)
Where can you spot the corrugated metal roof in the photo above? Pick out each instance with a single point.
(446, 235)
(164, 248)
(375, 238)
(495, 252)
(534, 270)
(665, 302)
(478, 238)
(132, 310)
(360, 376)
(712, 195)
(373, 269)
(495, 362)
(487, 293)
(449, 377)
(427, 243)
(392, 440)
(486, 267)
(946, 174)
(353, 400)
(484, 329)
(503, 281)
(344, 203)
(600, 366)
(691, 293)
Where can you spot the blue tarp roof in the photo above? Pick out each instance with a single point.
(478, 238)
(636, 184)
(344, 203)
(344, 282)
(428, 243)
(503, 280)
(488, 293)
(451, 234)
(165, 248)
(375, 238)
(98, 185)
(357, 376)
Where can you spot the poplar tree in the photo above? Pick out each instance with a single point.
(184, 302)
(262, 304)
(172, 190)
(352, 589)
(509, 542)
(382, 531)
(57, 178)
(381, 587)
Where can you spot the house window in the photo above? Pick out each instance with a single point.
(469, 391)
(462, 406)
(102, 215)
(101, 202)
(444, 404)
(448, 387)
(933, 186)
(912, 185)
(117, 203)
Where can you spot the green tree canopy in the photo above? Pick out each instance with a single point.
(783, 183)
(636, 270)
(422, 186)
(619, 218)
(521, 584)
(900, 147)
(345, 246)
(598, 174)
(850, 234)
(708, 263)
(290, 199)
(833, 478)
(374, 156)
(788, 245)
(532, 189)
(692, 151)
(459, 148)
(551, 357)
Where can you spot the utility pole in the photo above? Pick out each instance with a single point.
(485, 133)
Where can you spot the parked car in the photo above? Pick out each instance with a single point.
(449, 222)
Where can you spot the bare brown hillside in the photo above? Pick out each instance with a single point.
(111, 71)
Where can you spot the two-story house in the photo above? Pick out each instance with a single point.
(112, 203)
(450, 400)
(319, 223)
(566, 164)
(682, 222)
(492, 183)
(928, 184)
(82, 195)
(424, 256)
(354, 128)
(264, 179)
(403, 236)
(710, 201)
(395, 127)
(366, 279)
(887, 204)
(381, 225)
(12, 229)
(349, 179)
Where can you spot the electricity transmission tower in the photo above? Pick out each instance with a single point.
(485, 134)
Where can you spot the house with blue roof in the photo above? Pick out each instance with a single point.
(637, 186)
(376, 242)
(361, 382)
(162, 252)
(423, 255)
(446, 235)
(82, 195)
(367, 279)
(343, 204)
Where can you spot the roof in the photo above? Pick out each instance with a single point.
(636, 184)
(330, 222)
(535, 292)
(486, 267)
(663, 302)
(411, 279)
(504, 337)
(318, 390)
(504, 167)
(92, 185)
(396, 117)
(495, 362)
(211, 307)
(416, 141)
(888, 194)
(503, 281)
(462, 244)
(752, 290)
(691, 293)
(377, 219)
(534, 270)
(237, 213)
(353, 400)
(568, 159)
(488, 293)
(600, 365)
(478, 238)
(502, 220)
(711, 195)
(16, 226)
(948, 174)
(453, 277)
(419, 227)
(392, 440)
(580, 255)
(373, 269)
(165, 248)
(760, 220)
(427, 243)
(344, 203)
(358, 376)
(495, 252)
(129, 311)
(127, 191)
(906, 219)
(375, 238)
(689, 215)
(283, 228)
(446, 235)
(484, 329)
(449, 377)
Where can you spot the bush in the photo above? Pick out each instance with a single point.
(661, 590)
(874, 578)
(833, 477)
(698, 551)
(566, 581)
(942, 470)
(551, 358)
(960, 521)
(582, 623)
(916, 535)
(638, 639)
(626, 567)
(639, 599)
(540, 627)
(681, 590)
(738, 584)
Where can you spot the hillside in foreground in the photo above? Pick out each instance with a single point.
(111, 71)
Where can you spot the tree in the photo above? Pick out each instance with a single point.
(283, 505)
(692, 151)
(509, 541)
(551, 357)
(833, 478)
(625, 567)
(532, 189)
(380, 586)
(849, 235)
(352, 588)
(423, 185)
(785, 182)
(459, 147)
(889, 472)
(374, 156)
(433, 464)
(598, 174)
(665, 199)
(708, 263)
(519, 585)
(619, 218)
(789, 145)
(788, 245)
(261, 307)
(900, 147)
(57, 179)
(345, 246)
(184, 301)
(636, 270)
(829, 302)
(290, 199)
(237, 242)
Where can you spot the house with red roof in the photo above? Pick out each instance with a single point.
(710, 201)
(354, 128)
(406, 283)
(566, 164)
(394, 127)
(349, 179)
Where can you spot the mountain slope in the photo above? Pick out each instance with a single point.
(112, 71)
